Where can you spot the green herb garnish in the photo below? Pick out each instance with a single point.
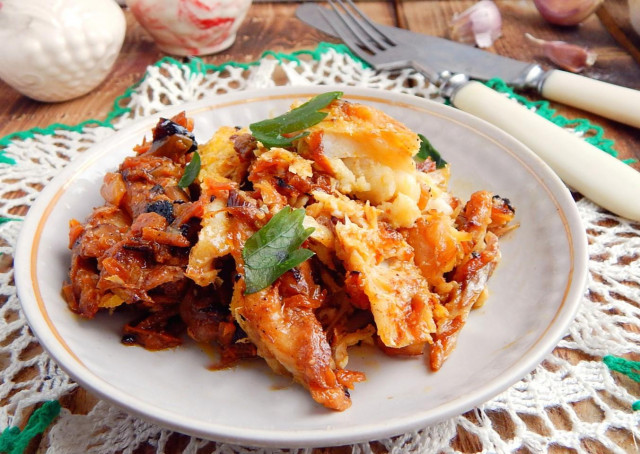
(191, 171)
(427, 151)
(274, 249)
(274, 132)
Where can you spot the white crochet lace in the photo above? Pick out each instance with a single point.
(571, 401)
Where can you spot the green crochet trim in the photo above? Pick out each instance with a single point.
(3, 219)
(6, 159)
(197, 66)
(15, 441)
(629, 368)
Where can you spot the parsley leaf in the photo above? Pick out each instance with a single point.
(191, 171)
(272, 132)
(427, 151)
(274, 249)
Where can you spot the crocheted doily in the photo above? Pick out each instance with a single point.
(572, 400)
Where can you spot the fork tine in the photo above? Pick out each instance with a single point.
(359, 23)
(350, 24)
(346, 35)
(345, 29)
(370, 23)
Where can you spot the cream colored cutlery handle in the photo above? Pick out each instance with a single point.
(611, 101)
(597, 175)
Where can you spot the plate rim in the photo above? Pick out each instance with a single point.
(25, 256)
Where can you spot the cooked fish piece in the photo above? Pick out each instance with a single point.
(353, 130)
(399, 295)
(370, 155)
(214, 241)
(220, 156)
(224, 160)
(438, 247)
(471, 274)
(280, 321)
(471, 277)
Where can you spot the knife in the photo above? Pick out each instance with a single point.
(438, 54)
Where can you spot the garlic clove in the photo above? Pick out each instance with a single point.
(565, 55)
(566, 12)
(481, 24)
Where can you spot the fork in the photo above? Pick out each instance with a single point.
(597, 175)
(369, 42)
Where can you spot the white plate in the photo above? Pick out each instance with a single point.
(534, 294)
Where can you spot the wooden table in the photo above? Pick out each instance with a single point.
(273, 26)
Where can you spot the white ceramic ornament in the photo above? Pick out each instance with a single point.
(55, 50)
(191, 27)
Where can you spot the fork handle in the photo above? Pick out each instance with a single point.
(597, 175)
(610, 101)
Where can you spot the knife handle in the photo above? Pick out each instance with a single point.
(611, 101)
(597, 175)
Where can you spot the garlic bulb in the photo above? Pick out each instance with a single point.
(566, 12)
(481, 24)
(567, 56)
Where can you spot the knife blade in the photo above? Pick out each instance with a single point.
(442, 55)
